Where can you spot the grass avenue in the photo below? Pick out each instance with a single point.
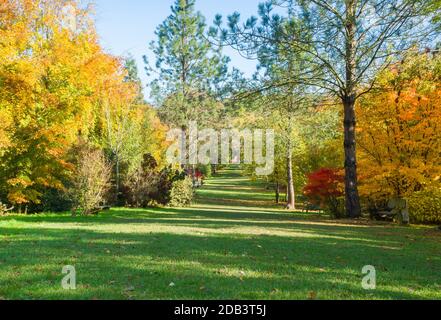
(223, 247)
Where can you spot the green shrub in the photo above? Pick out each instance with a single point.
(53, 200)
(149, 185)
(182, 193)
(205, 170)
(335, 207)
(425, 206)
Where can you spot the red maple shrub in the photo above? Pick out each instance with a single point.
(325, 187)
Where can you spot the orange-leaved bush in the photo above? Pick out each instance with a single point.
(399, 135)
(325, 187)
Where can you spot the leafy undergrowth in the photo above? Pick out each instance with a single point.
(224, 247)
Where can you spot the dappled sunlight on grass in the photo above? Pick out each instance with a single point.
(212, 227)
(220, 251)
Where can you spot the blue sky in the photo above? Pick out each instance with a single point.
(128, 26)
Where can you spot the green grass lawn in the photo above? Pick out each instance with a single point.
(233, 244)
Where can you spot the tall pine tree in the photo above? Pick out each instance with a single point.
(189, 68)
(344, 44)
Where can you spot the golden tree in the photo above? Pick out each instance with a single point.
(400, 128)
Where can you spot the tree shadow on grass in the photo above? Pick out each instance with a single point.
(203, 266)
(213, 251)
(226, 219)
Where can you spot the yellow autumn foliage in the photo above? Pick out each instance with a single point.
(399, 136)
(56, 84)
(425, 206)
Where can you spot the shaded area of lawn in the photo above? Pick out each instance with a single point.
(224, 247)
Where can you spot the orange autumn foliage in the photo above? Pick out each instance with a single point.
(56, 82)
(399, 134)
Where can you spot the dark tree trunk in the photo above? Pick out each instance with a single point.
(353, 208)
(277, 192)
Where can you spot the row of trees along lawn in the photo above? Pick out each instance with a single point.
(319, 62)
(74, 126)
(325, 52)
(331, 75)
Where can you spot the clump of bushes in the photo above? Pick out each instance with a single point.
(88, 188)
(91, 180)
(150, 185)
(142, 184)
(182, 193)
(325, 189)
(425, 206)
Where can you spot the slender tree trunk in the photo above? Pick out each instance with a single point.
(353, 208)
(193, 174)
(117, 181)
(290, 188)
(277, 192)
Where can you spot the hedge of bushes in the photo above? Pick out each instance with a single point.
(425, 206)
(325, 188)
(148, 186)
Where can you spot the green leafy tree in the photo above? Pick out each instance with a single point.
(189, 68)
(133, 77)
(288, 101)
(344, 42)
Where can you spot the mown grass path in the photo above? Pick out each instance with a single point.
(232, 244)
